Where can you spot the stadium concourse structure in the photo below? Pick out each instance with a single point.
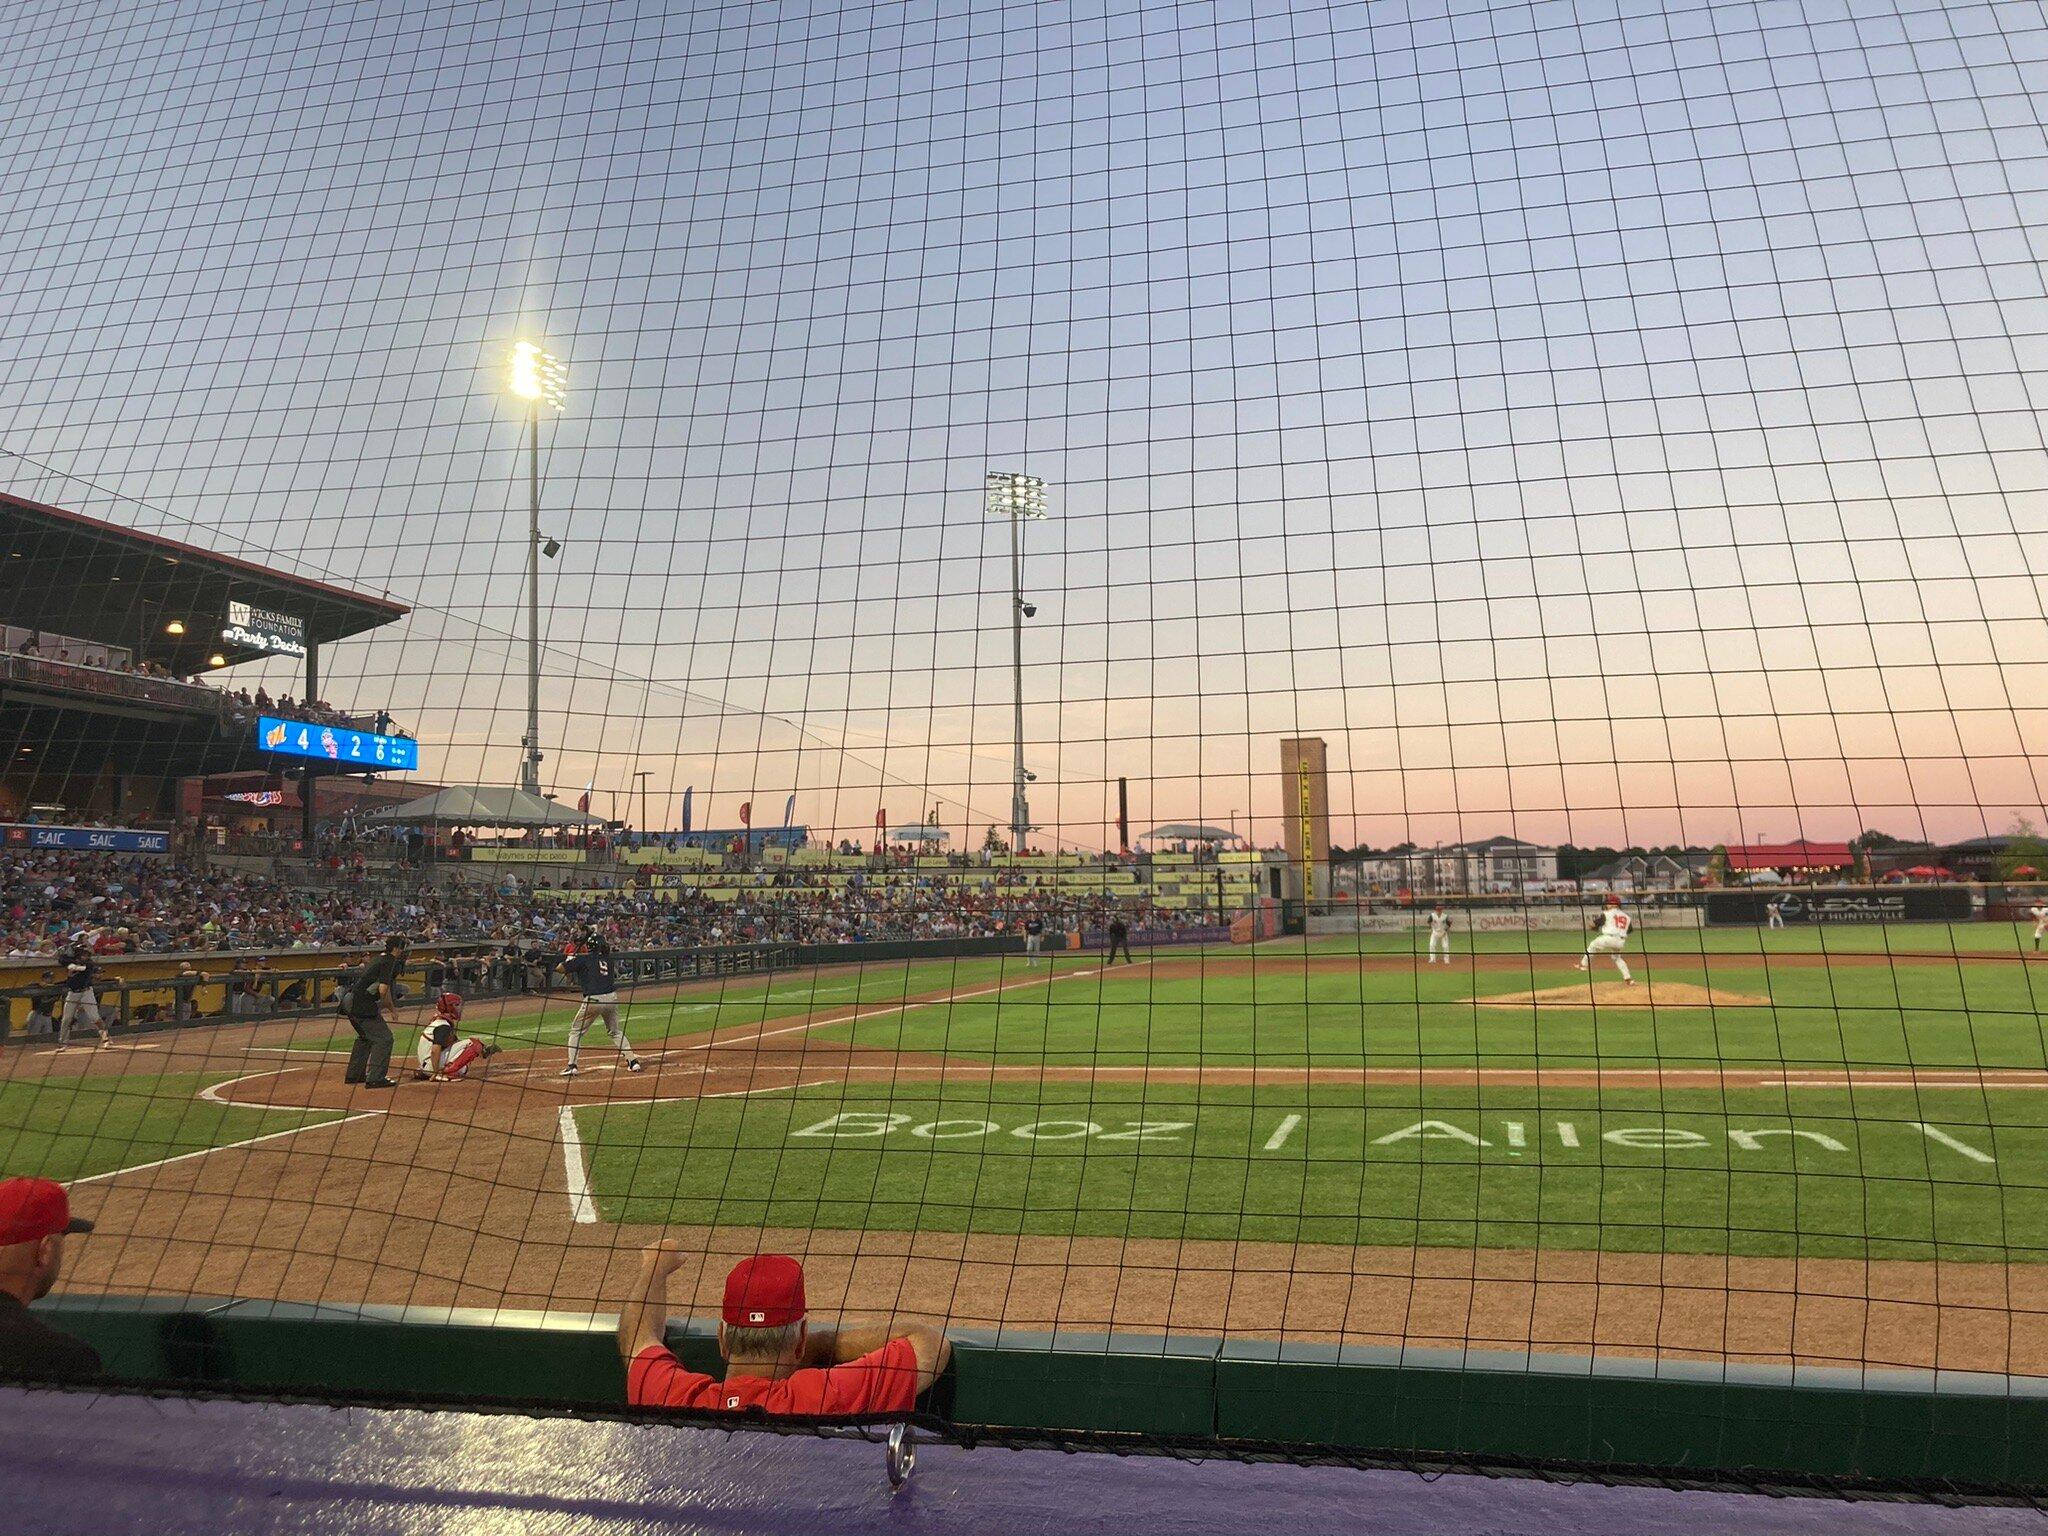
(110, 643)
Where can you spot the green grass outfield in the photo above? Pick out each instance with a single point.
(1636, 1167)
(1867, 1015)
(1818, 1172)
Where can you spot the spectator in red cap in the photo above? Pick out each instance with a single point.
(775, 1362)
(34, 1216)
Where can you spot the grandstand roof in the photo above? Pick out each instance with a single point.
(76, 575)
(1189, 832)
(461, 806)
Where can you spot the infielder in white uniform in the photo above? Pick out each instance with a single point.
(2040, 916)
(1439, 936)
(1611, 940)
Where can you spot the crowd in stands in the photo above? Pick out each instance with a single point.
(109, 658)
(49, 900)
(316, 710)
(79, 653)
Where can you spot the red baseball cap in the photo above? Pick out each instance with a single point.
(766, 1291)
(33, 1209)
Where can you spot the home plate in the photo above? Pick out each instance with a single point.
(1619, 994)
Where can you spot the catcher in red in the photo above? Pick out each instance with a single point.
(446, 1054)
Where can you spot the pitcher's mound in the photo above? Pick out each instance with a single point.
(1619, 994)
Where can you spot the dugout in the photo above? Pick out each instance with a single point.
(1948, 1434)
(115, 653)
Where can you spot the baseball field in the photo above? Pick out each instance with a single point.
(1809, 1144)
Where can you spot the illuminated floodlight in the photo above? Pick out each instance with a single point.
(539, 376)
(1011, 495)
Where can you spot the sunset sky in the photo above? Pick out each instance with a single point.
(1614, 422)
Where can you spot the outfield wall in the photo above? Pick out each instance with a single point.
(1546, 919)
(1615, 1416)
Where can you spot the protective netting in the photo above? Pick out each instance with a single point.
(1258, 677)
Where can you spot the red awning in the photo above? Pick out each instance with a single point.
(1799, 855)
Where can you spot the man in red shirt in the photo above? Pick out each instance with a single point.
(774, 1361)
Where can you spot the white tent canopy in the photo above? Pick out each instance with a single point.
(919, 834)
(460, 806)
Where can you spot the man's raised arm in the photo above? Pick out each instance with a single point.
(644, 1317)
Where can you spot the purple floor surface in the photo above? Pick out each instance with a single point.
(75, 1463)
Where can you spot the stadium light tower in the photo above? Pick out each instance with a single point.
(1017, 497)
(538, 378)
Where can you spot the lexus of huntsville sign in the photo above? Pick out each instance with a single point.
(1906, 904)
(265, 629)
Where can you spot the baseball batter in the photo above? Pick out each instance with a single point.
(1439, 935)
(81, 1004)
(2040, 916)
(1611, 939)
(589, 965)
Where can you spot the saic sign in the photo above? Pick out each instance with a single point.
(265, 629)
(86, 839)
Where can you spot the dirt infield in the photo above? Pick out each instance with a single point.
(458, 1195)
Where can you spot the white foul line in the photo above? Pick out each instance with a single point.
(902, 1007)
(741, 1093)
(165, 1162)
(1934, 1134)
(581, 1206)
